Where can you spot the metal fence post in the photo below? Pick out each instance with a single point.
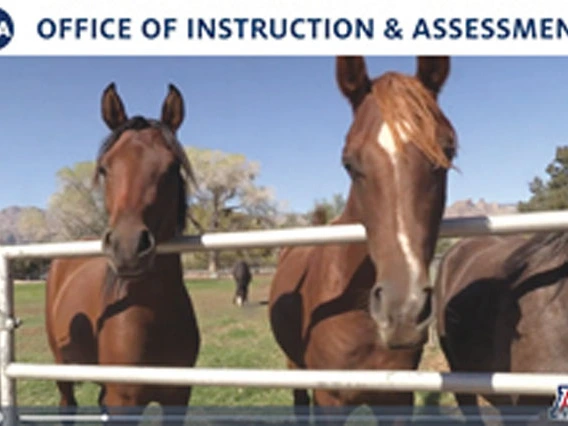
(7, 326)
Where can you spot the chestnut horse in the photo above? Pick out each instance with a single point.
(130, 308)
(368, 305)
(502, 306)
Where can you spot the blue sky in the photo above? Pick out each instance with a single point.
(284, 112)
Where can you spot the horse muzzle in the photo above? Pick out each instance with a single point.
(130, 254)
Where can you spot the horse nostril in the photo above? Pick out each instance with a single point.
(145, 243)
(377, 293)
(375, 300)
(107, 240)
(427, 308)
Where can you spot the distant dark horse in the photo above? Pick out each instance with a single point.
(368, 305)
(242, 277)
(503, 306)
(130, 307)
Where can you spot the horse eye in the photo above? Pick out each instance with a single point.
(101, 171)
(450, 152)
(354, 173)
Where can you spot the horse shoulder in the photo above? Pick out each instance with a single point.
(458, 268)
(60, 272)
(291, 267)
(337, 285)
(75, 289)
(303, 268)
(461, 260)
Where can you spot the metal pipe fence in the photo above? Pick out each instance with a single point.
(504, 383)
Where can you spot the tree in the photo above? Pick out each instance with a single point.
(33, 227)
(227, 198)
(293, 220)
(326, 210)
(77, 207)
(552, 194)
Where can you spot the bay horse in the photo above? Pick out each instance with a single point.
(368, 305)
(130, 306)
(242, 277)
(503, 306)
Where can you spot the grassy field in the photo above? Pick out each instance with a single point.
(231, 337)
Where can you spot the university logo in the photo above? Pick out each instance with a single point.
(6, 29)
(559, 410)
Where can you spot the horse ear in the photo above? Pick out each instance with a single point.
(352, 78)
(433, 72)
(112, 108)
(173, 108)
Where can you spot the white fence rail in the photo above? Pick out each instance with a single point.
(316, 235)
(410, 381)
(544, 384)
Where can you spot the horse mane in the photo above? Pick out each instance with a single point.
(172, 143)
(412, 113)
(542, 249)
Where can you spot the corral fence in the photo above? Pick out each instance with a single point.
(490, 383)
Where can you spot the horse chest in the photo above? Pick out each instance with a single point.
(344, 340)
(143, 335)
(352, 343)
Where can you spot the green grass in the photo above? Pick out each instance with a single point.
(231, 337)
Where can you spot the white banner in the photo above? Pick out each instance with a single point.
(283, 27)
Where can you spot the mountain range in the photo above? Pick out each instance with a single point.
(465, 208)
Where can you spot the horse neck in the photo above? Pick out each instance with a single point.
(350, 213)
(165, 262)
(353, 256)
(168, 265)
(163, 279)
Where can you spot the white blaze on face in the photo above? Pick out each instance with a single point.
(386, 141)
